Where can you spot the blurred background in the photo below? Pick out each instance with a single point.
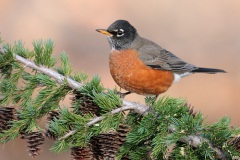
(204, 33)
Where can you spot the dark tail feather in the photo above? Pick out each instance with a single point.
(208, 70)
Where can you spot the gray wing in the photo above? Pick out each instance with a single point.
(156, 57)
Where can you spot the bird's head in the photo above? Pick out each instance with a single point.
(120, 34)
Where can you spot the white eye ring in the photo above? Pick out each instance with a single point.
(120, 33)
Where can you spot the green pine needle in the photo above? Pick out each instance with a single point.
(60, 146)
(38, 48)
(107, 101)
(110, 123)
(219, 129)
(8, 89)
(43, 52)
(65, 66)
(8, 57)
(45, 80)
(20, 50)
(141, 152)
(80, 77)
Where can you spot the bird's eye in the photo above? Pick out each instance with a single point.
(120, 32)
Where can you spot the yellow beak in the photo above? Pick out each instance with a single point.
(104, 31)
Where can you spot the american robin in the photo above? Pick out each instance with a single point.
(141, 66)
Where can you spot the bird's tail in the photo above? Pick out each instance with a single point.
(208, 70)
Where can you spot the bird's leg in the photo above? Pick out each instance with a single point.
(150, 102)
(122, 95)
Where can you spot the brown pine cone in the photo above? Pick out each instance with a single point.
(235, 142)
(51, 116)
(107, 145)
(82, 153)
(35, 141)
(191, 109)
(7, 114)
(86, 105)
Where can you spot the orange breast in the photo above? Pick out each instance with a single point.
(133, 75)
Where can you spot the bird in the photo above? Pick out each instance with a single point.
(141, 66)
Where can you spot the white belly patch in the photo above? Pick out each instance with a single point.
(177, 77)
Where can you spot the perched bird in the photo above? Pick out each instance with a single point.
(140, 66)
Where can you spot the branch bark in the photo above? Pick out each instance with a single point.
(141, 109)
(58, 77)
(196, 141)
(193, 140)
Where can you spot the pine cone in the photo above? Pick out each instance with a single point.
(122, 132)
(51, 116)
(82, 153)
(7, 114)
(191, 109)
(35, 140)
(86, 105)
(235, 142)
(107, 145)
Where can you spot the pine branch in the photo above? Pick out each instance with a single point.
(58, 77)
(138, 108)
(192, 140)
(196, 141)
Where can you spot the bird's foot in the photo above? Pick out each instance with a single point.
(122, 95)
(150, 102)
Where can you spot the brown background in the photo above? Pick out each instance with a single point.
(204, 33)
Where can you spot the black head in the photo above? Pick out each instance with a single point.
(120, 34)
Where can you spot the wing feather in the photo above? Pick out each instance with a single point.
(158, 58)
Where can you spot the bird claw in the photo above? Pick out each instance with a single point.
(150, 101)
(122, 95)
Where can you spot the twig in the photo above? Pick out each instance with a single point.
(192, 140)
(67, 134)
(58, 77)
(196, 141)
(138, 108)
(115, 111)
